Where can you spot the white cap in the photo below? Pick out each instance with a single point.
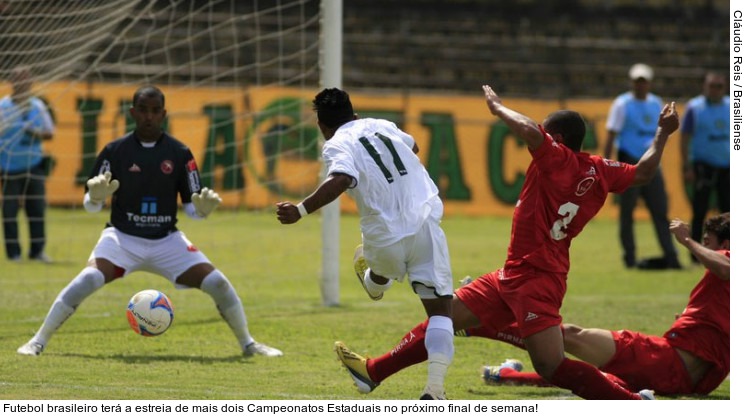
(641, 70)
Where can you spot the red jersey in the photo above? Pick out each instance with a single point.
(562, 191)
(703, 329)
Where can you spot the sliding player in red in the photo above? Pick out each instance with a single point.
(692, 357)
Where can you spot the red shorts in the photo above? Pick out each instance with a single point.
(526, 295)
(648, 362)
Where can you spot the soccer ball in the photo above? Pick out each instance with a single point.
(150, 313)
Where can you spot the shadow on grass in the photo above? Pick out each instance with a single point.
(557, 394)
(152, 359)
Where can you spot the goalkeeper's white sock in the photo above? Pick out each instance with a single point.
(88, 281)
(439, 342)
(216, 285)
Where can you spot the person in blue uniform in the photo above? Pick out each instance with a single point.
(705, 150)
(631, 126)
(25, 122)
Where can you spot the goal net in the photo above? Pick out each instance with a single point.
(238, 77)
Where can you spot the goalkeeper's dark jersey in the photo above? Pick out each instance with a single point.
(146, 203)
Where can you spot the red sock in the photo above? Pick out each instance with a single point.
(411, 350)
(620, 382)
(509, 335)
(588, 382)
(509, 376)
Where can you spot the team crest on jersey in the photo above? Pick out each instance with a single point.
(584, 186)
(166, 167)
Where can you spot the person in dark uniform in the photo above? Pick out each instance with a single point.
(144, 172)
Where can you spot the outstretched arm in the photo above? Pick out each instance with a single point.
(610, 144)
(519, 124)
(327, 192)
(649, 162)
(717, 263)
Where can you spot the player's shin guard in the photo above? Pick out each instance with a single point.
(440, 346)
(588, 382)
(216, 285)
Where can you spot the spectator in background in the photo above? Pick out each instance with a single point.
(632, 121)
(24, 122)
(705, 150)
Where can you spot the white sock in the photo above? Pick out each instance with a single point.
(83, 285)
(439, 342)
(228, 304)
(58, 314)
(374, 288)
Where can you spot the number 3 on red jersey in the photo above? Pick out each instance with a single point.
(568, 210)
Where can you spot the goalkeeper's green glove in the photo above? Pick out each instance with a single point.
(100, 187)
(205, 202)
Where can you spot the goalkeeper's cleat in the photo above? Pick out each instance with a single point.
(492, 374)
(431, 394)
(647, 395)
(31, 348)
(357, 367)
(261, 349)
(360, 268)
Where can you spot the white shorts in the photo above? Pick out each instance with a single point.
(424, 257)
(169, 257)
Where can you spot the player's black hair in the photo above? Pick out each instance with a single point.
(148, 91)
(719, 226)
(333, 107)
(570, 125)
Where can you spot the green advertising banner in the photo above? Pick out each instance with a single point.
(261, 145)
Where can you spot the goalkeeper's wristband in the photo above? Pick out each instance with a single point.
(301, 208)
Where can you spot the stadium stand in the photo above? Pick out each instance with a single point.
(524, 48)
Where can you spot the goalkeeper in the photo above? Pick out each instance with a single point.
(144, 172)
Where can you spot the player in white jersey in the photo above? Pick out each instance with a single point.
(400, 211)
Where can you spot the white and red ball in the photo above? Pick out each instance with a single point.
(150, 313)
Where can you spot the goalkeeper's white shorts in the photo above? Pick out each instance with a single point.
(169, 257)
(423, 257)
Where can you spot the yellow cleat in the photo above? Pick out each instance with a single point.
(357, 367)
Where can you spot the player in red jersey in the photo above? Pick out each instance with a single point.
(692, 357)
(564, 188)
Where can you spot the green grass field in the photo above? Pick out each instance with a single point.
(275, 269)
